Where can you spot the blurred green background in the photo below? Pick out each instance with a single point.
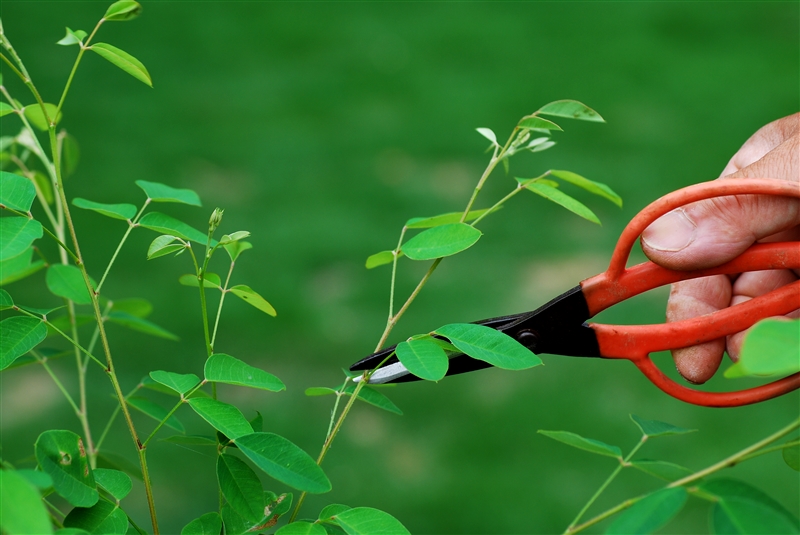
(321, 128)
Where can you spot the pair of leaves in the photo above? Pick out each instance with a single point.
(570, 109)
(367, 394)
(549, 190)
(221, 368)
(442, 242)
(770, 348)
(242, 291)
(649, 428)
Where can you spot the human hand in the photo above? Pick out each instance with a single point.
(709, 233)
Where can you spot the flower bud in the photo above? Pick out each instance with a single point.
(215, 219)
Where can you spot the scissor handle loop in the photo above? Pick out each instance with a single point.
(690, 194)
(636, 342)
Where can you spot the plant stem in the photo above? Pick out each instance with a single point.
(332, 435)
(83, 413)
(114, 416)
(221, 301)
(779, 447)
(725, 463)
(43, 361)
(184, 397)
(83, 48)
(622, 463)
(131, 225)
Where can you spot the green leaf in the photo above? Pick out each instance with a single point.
(247, 294)
(490, 345)
(16, 192)
(315, 391)
(369, 521)
(241, 487)
(539, 147)
(18, 335)
(744, 509)
(791, 456)
(234, 249)
(650, 513)
(46, 187)
(488, 134)
(561, 198)
(21, 506)
(115, 482)
(36, 478)
(62, 456)
(284, 461)
(141, 308)
(124, 61)
(179, 382)
(138, 324)
(277, 505)
(662, 469)
(222, 368)
(208, 524)
(234, 523)
(70, 155)
(36, 117)
(102, 518)
(444, 219)
(444, 240)
(373, 397)
(257, 423)
(164, 245)
(5, 300)
(211, 280)
(588, 444)
(67, 281)
(424, 358)
(155, 411)
(225, 418)
(5, 109)
(72, 38)
(17, 234)
(534, 122)
(591, 186)
(770, 348)
(191, 440)
(169, 225)
(332, 510)
(116, 211)
(234, 237)
(571, 109)
(123, 10)
(301, 527)
(158, 192)
(379, 259)
(18, 267)
(106, 459)
(654, 428)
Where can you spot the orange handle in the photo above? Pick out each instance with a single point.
(636, 342)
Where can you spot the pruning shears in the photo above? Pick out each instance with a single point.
(559, 327)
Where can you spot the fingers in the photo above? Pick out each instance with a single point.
(709, 233)
(689, 299)
(750, 285)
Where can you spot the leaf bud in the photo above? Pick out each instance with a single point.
(215, 219)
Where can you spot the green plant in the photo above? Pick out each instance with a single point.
(75, 472)
(68, 473)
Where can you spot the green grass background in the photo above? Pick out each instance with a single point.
(321, 127)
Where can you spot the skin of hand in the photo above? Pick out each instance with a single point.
(709, 233)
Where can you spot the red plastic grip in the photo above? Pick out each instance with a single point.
(636, 342)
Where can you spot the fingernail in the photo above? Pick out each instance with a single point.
(671, 232)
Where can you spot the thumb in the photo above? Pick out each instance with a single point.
(708, 233)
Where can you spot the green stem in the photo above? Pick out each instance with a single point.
(184, 397)
(43, 361)
(84, 47)
(82, 368)
(219, 308)
(131, 225)
(622, 463)
(770, 450)
(113, 417)
(725, 463)
(395, 257)
(329, 440)
(60, 243)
